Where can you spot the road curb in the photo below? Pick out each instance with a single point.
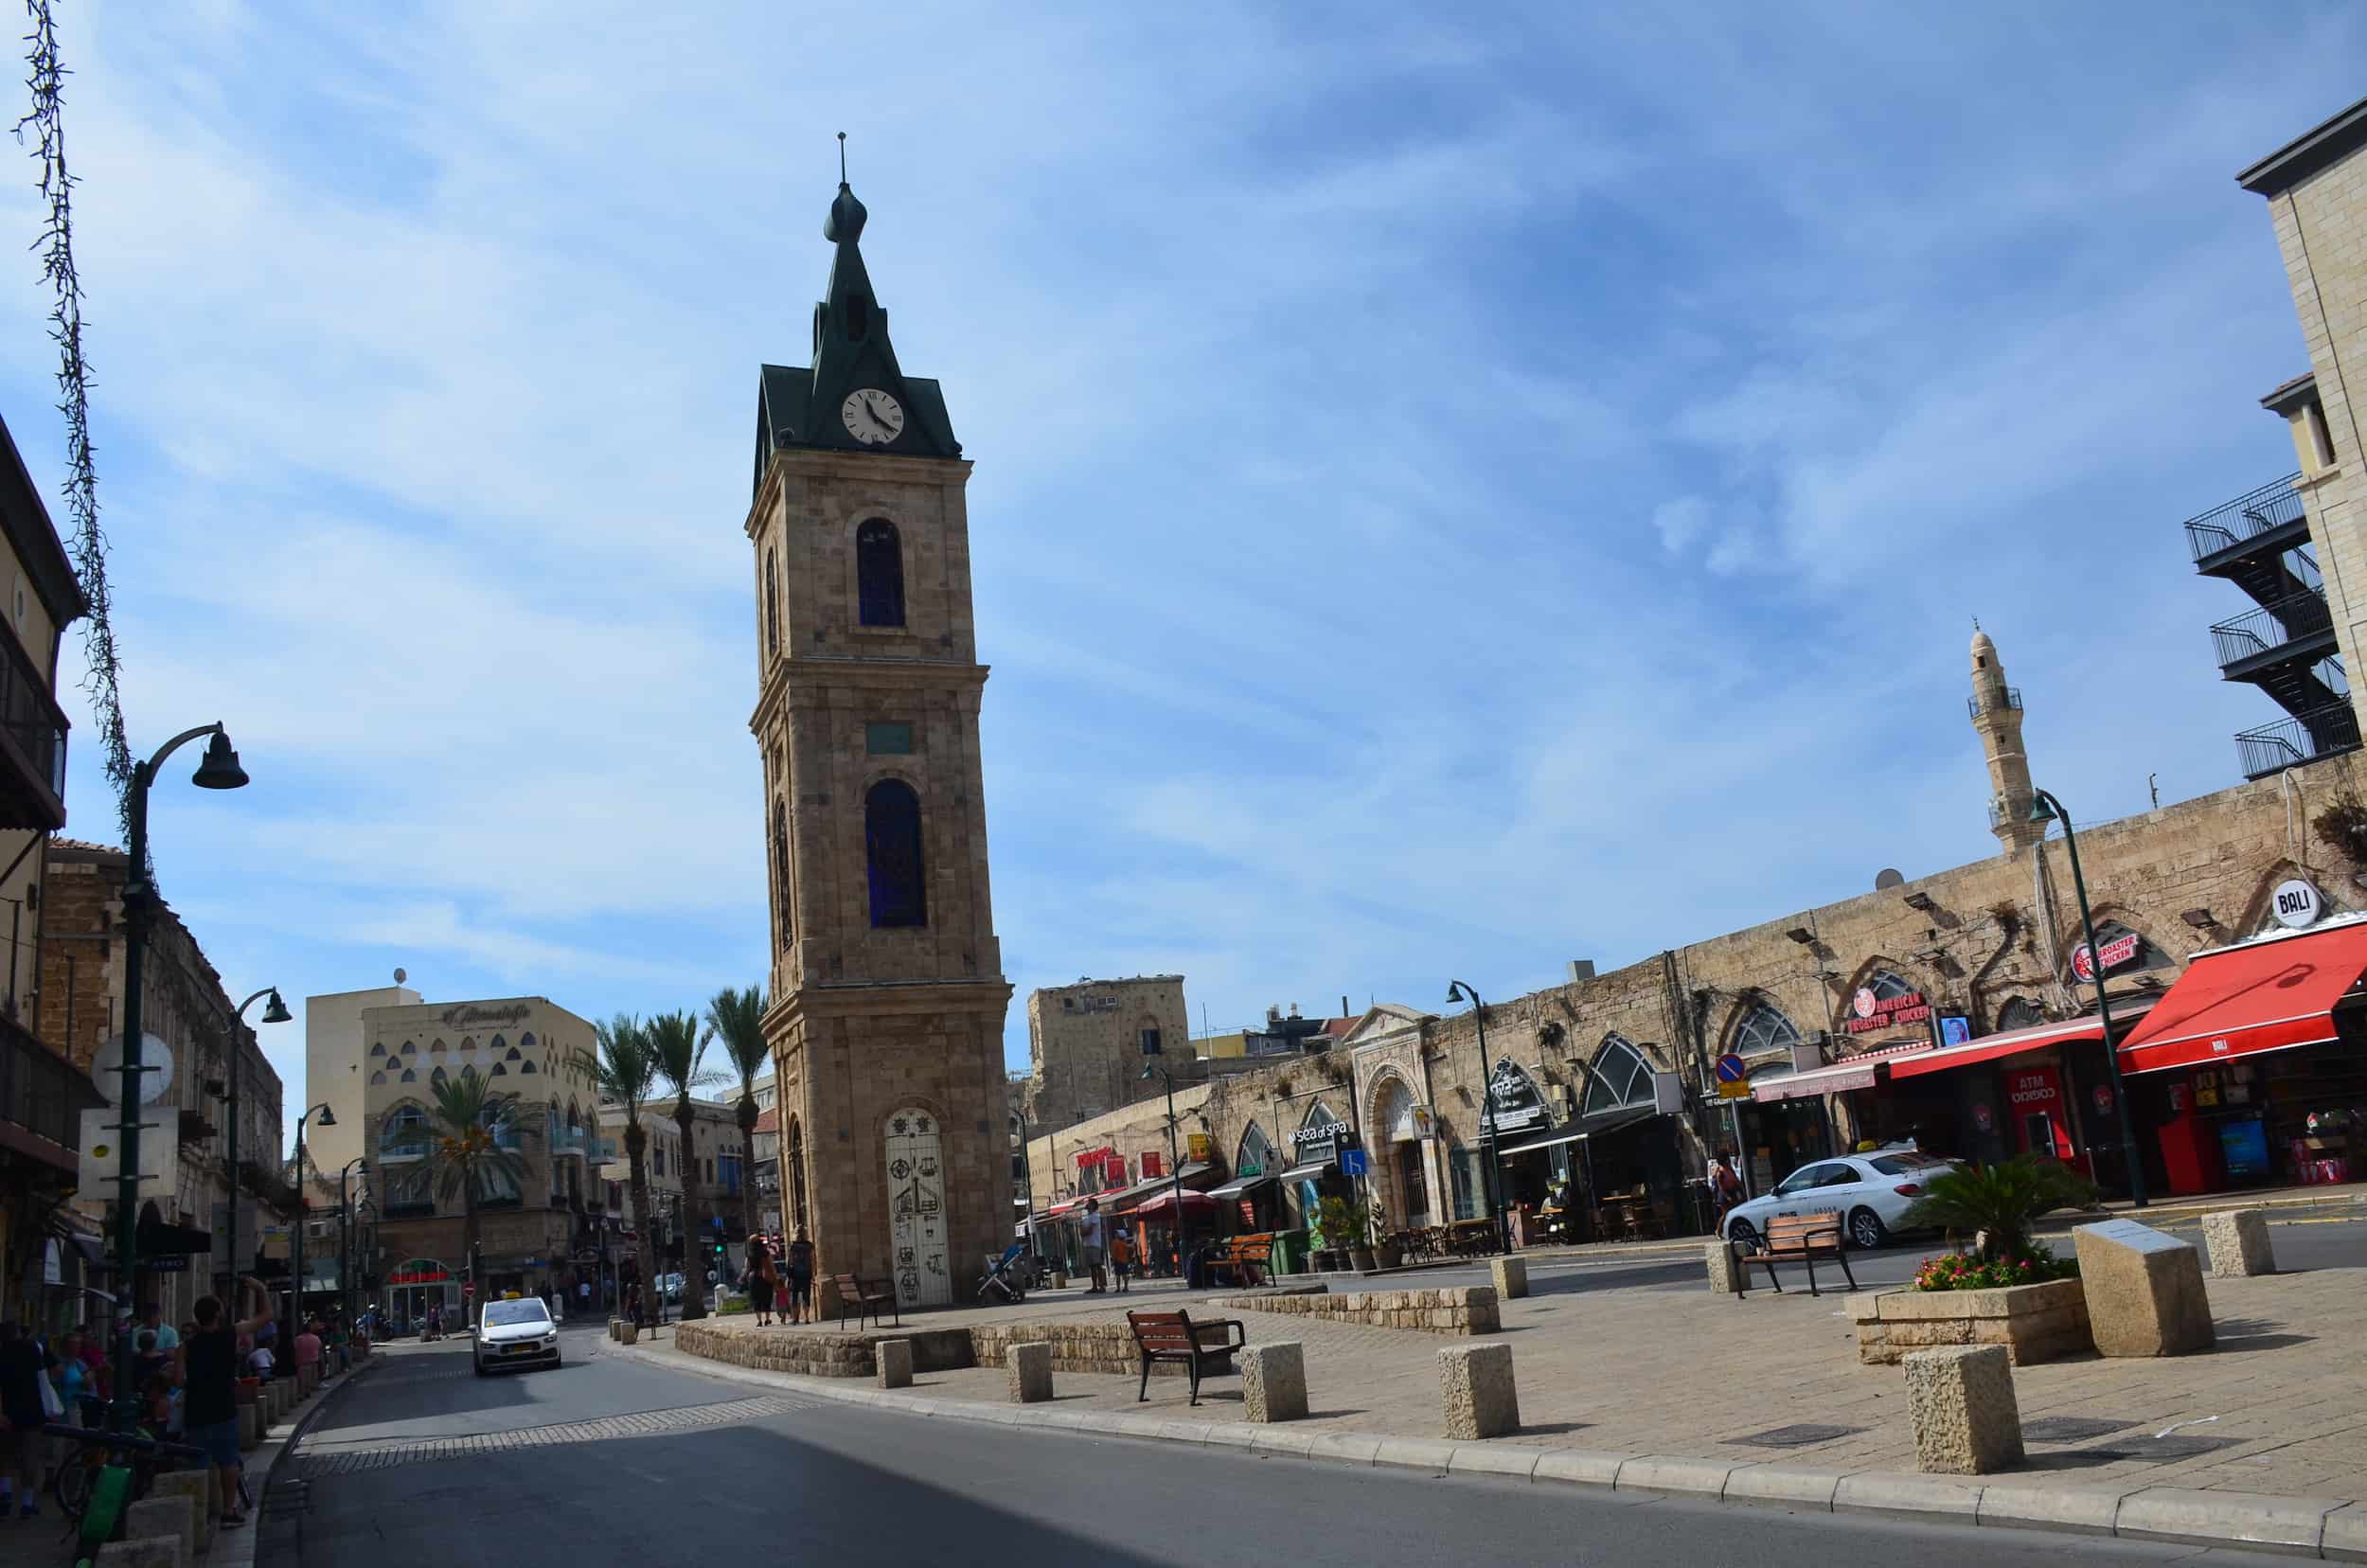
(239, 1550)
(2303, 1527)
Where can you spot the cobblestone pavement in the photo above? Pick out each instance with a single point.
(333, 1458)
(2279, 1407)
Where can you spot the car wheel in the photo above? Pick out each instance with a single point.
(477, 1364)
(1742, 1233)
(1866, 1231)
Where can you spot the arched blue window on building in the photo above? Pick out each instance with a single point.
(1888, 985)
(1763, 1029)
(1619, 1077)
(879, 574)
(891, 834)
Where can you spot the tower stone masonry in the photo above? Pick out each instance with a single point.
(887, 990)
(1996, 715)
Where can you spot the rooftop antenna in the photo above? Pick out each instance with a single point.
(841, 157)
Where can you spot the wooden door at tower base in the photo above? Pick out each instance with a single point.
(916, 1174)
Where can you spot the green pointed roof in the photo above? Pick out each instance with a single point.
(851, 352)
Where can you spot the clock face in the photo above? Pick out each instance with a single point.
(872, 417)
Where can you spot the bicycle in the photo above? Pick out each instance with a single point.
(113, 1470)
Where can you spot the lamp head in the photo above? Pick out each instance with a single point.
(1147, 1071)
(328, 1118)
(2041, 806)
(220, 770)
(1454, 991)
(275, 1011)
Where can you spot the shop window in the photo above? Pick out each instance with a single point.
(1463, 1176)
(1618, 1077)
(1762, 1031)
(879, 574)
(891, 825)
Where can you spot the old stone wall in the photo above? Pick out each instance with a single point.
(1085, 1046)
(1461, 1310)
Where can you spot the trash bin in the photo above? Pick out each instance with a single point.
(1289, 1252)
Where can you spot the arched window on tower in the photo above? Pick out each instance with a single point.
(891, 831)
(879, 574)
(772, 603)
(781, 921)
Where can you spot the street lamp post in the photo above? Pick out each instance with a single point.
(345, 1242)
(219, 770)
(2043, 807)
(275, 1013)
(1458, 991)
(295, 1300)
(1175, 1171)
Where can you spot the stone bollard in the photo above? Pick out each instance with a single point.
(1511, 1277)
(175, 1516)
(893, 1359)
(628, 1333)
(1725, 1269)
(250, 1425)
(152, 1552)
(2237, 1241)
(2143, 1289)
(1476, 1380)
(614, 1326)
(1060, 1281)
(1030, 1370)
(308, 1379)
(1274, 1382)
(198, 1487)
(1961, 1403)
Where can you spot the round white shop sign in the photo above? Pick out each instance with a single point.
(2296, 903)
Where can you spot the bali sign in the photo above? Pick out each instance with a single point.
(2119, 951)
(1868, 1012)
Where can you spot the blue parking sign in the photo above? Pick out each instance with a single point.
(1352, 1162)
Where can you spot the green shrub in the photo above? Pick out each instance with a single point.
(1998, 1204)
(1956, 1272)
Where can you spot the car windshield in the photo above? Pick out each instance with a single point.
(500, 1314)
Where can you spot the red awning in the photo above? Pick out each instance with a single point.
(2270, 995)
(1193, 1203)
(1991, 1047)
(1861, 1071)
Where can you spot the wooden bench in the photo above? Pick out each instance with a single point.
(1173, 1337)
(1245, 1256)
(1797, 1238)
(866, 1297)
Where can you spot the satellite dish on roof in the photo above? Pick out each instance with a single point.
(1887, 879)
(400, 977)
(106, 1069)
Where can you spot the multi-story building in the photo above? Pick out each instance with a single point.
(332, 1068)
(214, 1058)
(1088, 1044)
(534, 1232)
(42, 1094)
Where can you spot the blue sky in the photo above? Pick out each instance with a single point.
(1451, 497)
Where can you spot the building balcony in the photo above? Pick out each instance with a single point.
(32, 743)
(2322, 732)
(2262, 522)
(566, 1140)
(2010, 698)
(43, 1097)
(402, 1153)
(2297, 629)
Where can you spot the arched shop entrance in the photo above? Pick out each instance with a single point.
(415, 1285)
(1404, 1189)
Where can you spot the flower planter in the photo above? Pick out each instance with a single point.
(2035, 1323)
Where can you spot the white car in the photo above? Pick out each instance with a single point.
(1872, 1193)
(516, 1333)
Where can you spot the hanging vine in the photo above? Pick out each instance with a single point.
(87, 546)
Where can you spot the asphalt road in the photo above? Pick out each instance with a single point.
(2304, 1244)
(811, 1481)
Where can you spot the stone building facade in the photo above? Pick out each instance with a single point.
(82, 998)
(886, 1028)
(1087, 1045)
(527, 1048)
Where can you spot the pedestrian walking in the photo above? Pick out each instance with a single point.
(1725, 1185)
(800, 1271)
(1089, 1235)
(1121, 1254)
(759, 1280)
(23, 1375)
(584, 1297)
(207, 1367)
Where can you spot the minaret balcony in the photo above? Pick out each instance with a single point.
(2002, 699)
(2296, 629)
(2259, 524)
(2323, 731)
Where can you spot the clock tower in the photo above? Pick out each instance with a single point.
(887, 995)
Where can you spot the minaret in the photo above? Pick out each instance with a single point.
(1996, 714)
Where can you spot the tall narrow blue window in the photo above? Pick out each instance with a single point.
(891, 831)
(879, 574)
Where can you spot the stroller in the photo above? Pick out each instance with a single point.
(1009, 1276)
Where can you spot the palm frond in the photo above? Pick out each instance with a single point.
(735, 1018)
(622, 1065)
(2000, 1202)
(680, 1051)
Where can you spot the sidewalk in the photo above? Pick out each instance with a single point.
(1672, 1388)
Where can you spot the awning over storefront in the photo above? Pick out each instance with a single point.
(1609, 1121)
(1304, 1173)
(1861, 1071)
(1241, 1185)
(1163, 1202)
(1991, 1047)
(2274, 994)
(1197, 1174)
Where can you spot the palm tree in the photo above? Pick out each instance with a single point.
(624, 1070)
(1998, 1204)
(472, 1155)
(680, 1051)
(736, 1019)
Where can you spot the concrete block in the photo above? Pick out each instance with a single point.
(1475, 1382)
(1510, 1276)
(2224, 1518)
(1274, 1382)
(1029, 1368)
(1961, 1403)
(2144, 1290)
(628, 1333)
(198, 1487)
(613, 1326)
(2237, 1241)
(152, 1552)
(1658, 1473)
(895, 1361)
(2044, 1505)
(163, 1515)
(1787, 1485)
(1725, 1269)
(250, 1425)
